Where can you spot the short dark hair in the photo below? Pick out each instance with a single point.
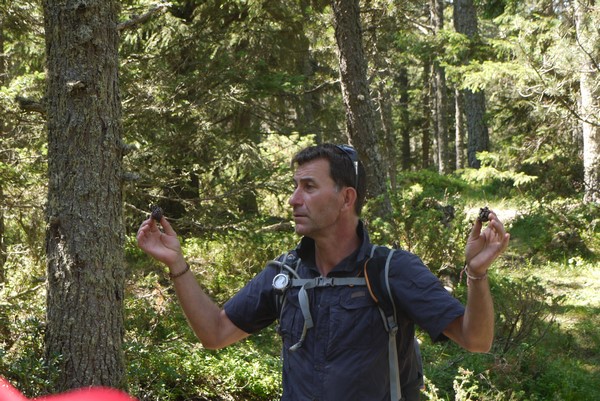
(341, 167)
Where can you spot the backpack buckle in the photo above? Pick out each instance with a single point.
(324, 281)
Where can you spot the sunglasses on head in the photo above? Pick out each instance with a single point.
(353, 155)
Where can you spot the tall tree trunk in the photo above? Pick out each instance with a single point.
(459, 129)
(427, 107)
(308, 105)
(589, 105)
(440, 118)
(360, 114)
(85, 232)
(465, 22)
(403, 87)
(440, 96)
(387, 126)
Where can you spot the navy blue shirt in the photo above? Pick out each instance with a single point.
(345, 354)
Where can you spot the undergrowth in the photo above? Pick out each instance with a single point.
(546, 290)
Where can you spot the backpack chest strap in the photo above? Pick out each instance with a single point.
(308, 283)
(303, 301)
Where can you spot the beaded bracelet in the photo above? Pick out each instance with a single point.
(181, 273)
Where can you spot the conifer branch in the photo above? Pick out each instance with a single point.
(140, 19)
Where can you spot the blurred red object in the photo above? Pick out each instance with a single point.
(9, 393)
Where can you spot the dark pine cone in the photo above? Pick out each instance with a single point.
(484, 214)
(157, 213)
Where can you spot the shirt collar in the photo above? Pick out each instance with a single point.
(306, 251)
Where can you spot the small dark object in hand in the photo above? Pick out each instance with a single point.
(157, 213)
(484, 214)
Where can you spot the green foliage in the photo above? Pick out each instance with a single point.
(165, 360)
(525, 311)
(490, 173)
(427, 219)
(557, 229)
(217, 96)
(229, 261)
(22, 327)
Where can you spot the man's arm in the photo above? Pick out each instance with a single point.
(209, 322)
(474, 330)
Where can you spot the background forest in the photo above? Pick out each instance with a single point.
(452, 105)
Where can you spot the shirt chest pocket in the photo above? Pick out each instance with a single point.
(354, 323)
(291, 320)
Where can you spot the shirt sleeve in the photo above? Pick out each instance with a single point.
(254, 307)
(422, 296)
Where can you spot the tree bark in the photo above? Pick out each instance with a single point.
(387, 127)
(465, 22)
(427, 107)
(403, 87)
(589, 105)
(360, 114)
(440, 96)
(85, 231)
(459, 140)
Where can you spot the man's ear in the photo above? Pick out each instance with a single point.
(349, 197)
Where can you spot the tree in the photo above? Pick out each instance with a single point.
(465, 22)
(440, 97)
(459, 137)
(360, 114)
(84, 238)
(22, 140)
(588, 41)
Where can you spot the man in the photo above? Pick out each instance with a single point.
(343, 355)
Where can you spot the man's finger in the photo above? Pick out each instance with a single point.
(476, 229)
(167, 226)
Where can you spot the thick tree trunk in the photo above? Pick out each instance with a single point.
(84, 238)
(440, 96)
(589, 104)
(477, 132)
(465, 22)
(360, 114)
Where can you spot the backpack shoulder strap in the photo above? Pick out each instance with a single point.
(377, 272)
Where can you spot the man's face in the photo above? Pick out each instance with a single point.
(316, 200)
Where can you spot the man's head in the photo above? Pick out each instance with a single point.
(345, 168)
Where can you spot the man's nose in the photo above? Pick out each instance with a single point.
(294, 198)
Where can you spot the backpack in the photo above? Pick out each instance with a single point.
(376, 279)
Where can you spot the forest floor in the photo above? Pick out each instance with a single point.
(580, 312)
(576, 342)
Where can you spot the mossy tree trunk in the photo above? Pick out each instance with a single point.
(84, 238)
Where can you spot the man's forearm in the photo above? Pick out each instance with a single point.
(478, 320)
(207, 320)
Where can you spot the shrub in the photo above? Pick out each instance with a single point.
(427, 220)
(557, 230)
